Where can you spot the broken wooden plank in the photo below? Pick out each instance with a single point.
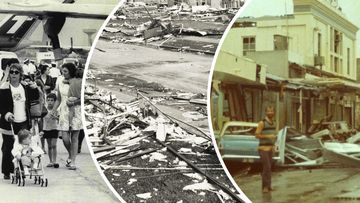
(106, 154)
(105, 102)
(116, 151)
(198, 101)
(159, 175)
(102, 149)
(132, 141)
(94, 139)
(126, 137)
(148, 151)
(161, 132)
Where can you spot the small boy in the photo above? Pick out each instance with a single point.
(50, 129)
(25, 150)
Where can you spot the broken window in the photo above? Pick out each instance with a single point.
(336, 58)
(244, 24)
(336, 64)
(248, 45)
(336, 41)
(280, 42)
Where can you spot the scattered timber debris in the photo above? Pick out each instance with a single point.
(181, 28)
(157, 157)
(326, 141)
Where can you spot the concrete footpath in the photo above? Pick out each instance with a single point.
(82, 185)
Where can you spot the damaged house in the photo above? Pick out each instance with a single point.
(310, 62)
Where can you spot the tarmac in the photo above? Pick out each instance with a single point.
(82, 185)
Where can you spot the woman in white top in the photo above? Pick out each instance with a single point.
(67, 131)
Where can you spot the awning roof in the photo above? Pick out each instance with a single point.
(335, 83)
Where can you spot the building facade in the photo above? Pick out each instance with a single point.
(311, 60)
(232, 3)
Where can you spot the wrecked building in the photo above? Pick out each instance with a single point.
(232, 3)
(311, 66)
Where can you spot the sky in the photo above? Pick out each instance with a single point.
(258, 8)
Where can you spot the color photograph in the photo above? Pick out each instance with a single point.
(284, 101)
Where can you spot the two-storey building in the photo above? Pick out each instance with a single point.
(312, 51)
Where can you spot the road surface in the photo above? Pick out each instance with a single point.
(188, 72)
(327, 184)
(83, 185)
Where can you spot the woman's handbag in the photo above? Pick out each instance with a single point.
(37, 109)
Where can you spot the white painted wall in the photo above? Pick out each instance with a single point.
(302, 31)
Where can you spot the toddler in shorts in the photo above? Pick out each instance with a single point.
(26, 150)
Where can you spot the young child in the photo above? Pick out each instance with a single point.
(50, 129)
(25, 150)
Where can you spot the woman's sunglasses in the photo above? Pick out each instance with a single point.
(15, 72)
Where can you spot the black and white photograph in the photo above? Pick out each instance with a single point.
(145, 101)
(43, 49)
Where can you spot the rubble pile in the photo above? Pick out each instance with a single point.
(193, 105)
(327, 141)
(149, 156)
(176, 28)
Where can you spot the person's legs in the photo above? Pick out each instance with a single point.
(7, 166)
(265, 158)
(42, 140)
(74, 146)
(269, 166)
(81, 138)
(66, 140)
(53, 144)
(48, 140)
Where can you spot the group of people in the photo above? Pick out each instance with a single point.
(24, 92)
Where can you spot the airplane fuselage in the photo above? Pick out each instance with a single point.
(13, 29)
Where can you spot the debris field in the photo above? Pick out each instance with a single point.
(178, 28)
(149, 156)
(325, 161)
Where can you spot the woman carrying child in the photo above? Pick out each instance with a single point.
(16, 97)
(69, 111)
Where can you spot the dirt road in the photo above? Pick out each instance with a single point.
(335, 185)
(182, 71)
